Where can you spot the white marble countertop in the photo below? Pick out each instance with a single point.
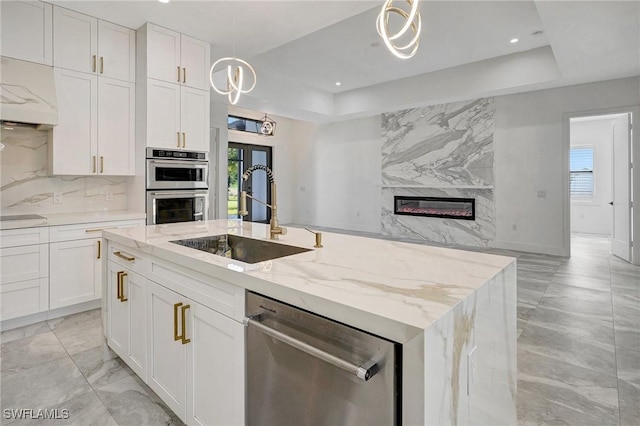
(392, 289)
(55, 219)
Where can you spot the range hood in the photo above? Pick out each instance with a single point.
(27, 94)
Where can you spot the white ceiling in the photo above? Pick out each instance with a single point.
(304, 47)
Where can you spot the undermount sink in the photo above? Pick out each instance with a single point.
(243, 249)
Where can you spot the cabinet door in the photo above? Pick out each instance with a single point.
(118, 313)
(195, 61)
(75, 138)
(116, 127)
(27, 31)
(163, 114)
(75, 40)
(116, 51)
(194, 119)
(163, 54)
(215, 368)
(167, 357)
(135, 290)
(75, 268)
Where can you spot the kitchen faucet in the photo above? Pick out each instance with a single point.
(274, 228)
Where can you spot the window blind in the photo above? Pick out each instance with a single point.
(581, 172)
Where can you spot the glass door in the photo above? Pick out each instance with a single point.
(240, 158)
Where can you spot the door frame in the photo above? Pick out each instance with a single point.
(246, 147)
(635, 160)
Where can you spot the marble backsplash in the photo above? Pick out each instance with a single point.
(26, 187)
(440, 151)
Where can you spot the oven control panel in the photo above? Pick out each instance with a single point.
(179, 155)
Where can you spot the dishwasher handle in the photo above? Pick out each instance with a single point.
(363, 372)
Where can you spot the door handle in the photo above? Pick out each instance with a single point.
(611, 203)
(122, 298)
(99, 248)
(94, 164)
(95, 57)
(184, 140)
(118, 289)
(101, 164)
(184, 324)
(178, 134)
(184, 75)
(101, 64)
(176, 336)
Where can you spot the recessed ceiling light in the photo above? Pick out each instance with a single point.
(338, 83)
(513, 40)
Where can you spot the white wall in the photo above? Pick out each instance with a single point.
(594, 216)
(531, 156)
(339, 178)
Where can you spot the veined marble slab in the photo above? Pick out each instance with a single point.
(55, 219)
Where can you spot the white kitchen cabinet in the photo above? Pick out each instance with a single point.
(95, 134)
(27, 31)
(76, 272)
(126, 325)
(196, 359)
(177, 116)
(215, 368)
(176, 58)
(167, 353)
(24, 272)
(86, 44)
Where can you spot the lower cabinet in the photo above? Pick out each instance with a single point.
(126, 325)
(195, 359)
(76, 272)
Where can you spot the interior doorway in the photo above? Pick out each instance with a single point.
(240, 158)
(600, 179)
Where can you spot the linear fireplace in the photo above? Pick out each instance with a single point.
(450, 208)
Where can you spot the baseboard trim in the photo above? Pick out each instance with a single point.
(532, 248)
(10, 324)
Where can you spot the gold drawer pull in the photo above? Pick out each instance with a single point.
(178, 133)
(176, 336)
(121, 284)
(178, 74)
(101, 164)
(184, 140)
(101, 64)
(123, 256)
(94, 164)
(184, 75)
(118, 288)
(94, 63)
(184, 325)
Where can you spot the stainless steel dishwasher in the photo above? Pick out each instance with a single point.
(304, 369)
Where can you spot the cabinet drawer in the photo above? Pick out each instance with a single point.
(24, 263)
(24, 237)
(221, 296)
(127, 258)
(23, 298)
(88, 230)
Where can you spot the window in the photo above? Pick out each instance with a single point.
(264, 126)
(581, 172)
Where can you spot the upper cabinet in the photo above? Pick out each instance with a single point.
(87, 44)
(26, 31)
(176, 58)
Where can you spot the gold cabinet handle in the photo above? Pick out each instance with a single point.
(178, 74)
(122, 298)
(184, 140)
(94, 164)
(184, 325)
(101, 164)
(178, 133)
(118, 288)
(184, 75)
(125, 257)
(95, 57)
(99, 248)
(176, 336)
(101, 64)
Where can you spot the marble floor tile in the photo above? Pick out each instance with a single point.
(584, 390)
(628, 366)
(575, 325)
(580, 352)
(79, 332)
(629, 396)
(131, 402)
(25, 353)
(583, 280)
(626, 318)
(626, 280)
(101, 366)
(535, 410)
(564, 298)
(22, 332)
(44, 385)
(529, 292)
(83, 410)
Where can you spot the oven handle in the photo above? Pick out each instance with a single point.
(363, 372)
(174, 194)
(176, 163)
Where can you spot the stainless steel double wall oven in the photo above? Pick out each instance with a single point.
(177, 186)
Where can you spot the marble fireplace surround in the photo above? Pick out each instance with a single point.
(440, 151)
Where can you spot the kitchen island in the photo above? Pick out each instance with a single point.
(453, 311)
